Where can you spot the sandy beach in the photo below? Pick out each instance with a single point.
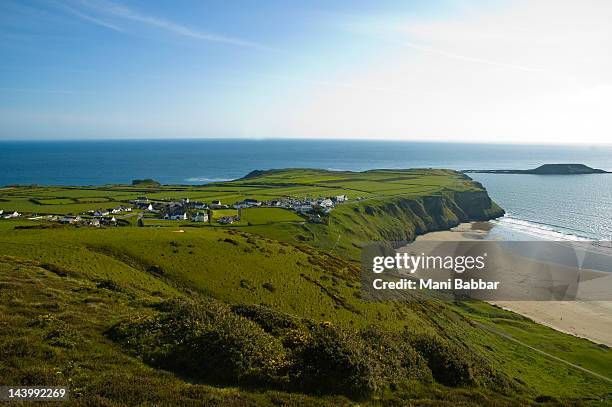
(587, 319)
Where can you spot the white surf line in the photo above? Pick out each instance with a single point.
(558, 359)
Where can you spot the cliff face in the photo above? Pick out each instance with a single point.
(401, 219)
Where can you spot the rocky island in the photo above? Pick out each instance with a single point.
(548, 169)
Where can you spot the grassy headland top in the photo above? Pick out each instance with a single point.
(334, 210)
(260, 185)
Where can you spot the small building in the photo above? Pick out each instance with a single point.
(200, 217)
(340, 198)
(226, 220)
(326, 203)
(303, 208)
(247, 203)
(252, 202)
(177, 215)
(199, 205)
(216, 204)
(108, 220)
(69, 219)
(100, 212)
(120, 209)
(12, 215)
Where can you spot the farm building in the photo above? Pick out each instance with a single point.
(200, 217)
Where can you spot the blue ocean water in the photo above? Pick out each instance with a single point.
(578, 205)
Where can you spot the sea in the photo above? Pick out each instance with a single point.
(570, 207)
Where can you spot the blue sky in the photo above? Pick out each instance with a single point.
(441, 70)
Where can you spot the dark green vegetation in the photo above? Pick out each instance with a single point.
(549, 169)
(147, 182)
(269, 311)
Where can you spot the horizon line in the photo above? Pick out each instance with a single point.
(347, 139)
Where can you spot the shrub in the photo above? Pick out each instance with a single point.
(449, 364)
(205, 340)
(270, 320)
(332, 360)
(455, 364)
(400, 361)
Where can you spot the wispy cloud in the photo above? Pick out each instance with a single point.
(91, 19)
(56, 91)
(468, 58)
(120, 11)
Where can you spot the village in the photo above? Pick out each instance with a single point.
(312, 210)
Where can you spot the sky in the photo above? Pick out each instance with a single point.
(525, 71)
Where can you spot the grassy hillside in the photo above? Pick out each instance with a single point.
(269, 313)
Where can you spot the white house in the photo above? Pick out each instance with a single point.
(340, 198)
(12, 215)
(150, 208)
(179, 215)
(327, 203)
(108, 220)
(200, 217)
(216, 204)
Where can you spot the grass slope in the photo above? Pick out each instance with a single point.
(90, 308)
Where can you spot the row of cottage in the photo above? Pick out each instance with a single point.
(179, 210)
(305, 205)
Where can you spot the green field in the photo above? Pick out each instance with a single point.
(221, 213)
(268, 310)
(263, 216)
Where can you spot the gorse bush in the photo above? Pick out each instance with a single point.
(270, 320)
(334, 360)
(256, 345)
(205, 340)
(449, 364)
(400, 361)
(455, 364)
